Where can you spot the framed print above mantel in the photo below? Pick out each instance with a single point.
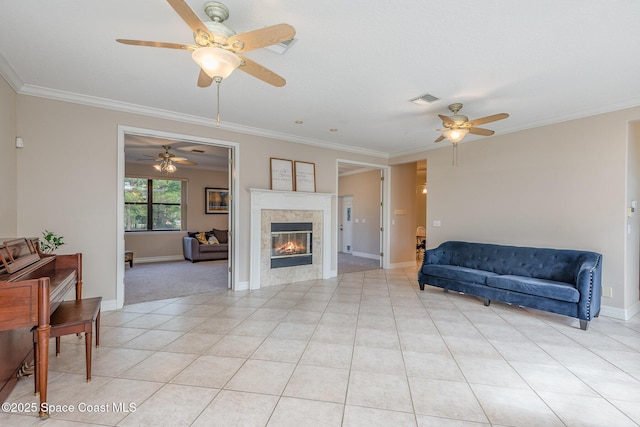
(305, 176)
(281, 174)
(216, 200)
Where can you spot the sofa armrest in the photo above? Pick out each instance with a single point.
(191, 248)
(589, 284)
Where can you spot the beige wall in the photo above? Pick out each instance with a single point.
(561, 186)
(168, 244)
(8, 164)
(67, 178)
(365, 189)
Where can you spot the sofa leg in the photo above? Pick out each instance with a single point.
(487, 301)
(421, 286)
(446, 291)
(584, 324)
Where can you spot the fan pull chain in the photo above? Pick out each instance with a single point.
(218, 80)
(454, 162)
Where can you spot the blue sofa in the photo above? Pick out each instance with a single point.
(559, 281)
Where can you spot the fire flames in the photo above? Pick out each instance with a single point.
(289, 248)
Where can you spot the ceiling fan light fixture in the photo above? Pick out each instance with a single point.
(455, 135)
(215, 61)
(166, 165)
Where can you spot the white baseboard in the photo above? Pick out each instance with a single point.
(108, 305)
(148, 260)
(241, 286)
(620, 313)
(407, 264)
(366, 255)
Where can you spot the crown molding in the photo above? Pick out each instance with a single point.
(93, 101)
(10, 75)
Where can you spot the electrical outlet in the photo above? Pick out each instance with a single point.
(607, 291)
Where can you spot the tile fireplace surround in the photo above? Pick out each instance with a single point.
(269, 206)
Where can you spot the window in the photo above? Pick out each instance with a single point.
(153, 204)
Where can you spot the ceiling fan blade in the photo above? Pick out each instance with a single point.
(157, 44)
(263, 37)
(260, 72)
(204, 80)
(189, 16)
(488, 119)
(184, 162)
(446, 120)
(440, 138)
(480, 131)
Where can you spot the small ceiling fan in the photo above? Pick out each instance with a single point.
(457, 126)
(217, 45)
(166, 161)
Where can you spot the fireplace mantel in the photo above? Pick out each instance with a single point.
(294, 201)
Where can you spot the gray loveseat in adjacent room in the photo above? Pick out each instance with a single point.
(202, 250)
(559, 281)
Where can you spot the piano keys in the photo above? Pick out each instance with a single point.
(32, 285)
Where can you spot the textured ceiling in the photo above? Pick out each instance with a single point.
(353, 68)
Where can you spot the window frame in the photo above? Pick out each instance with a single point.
(150, 204)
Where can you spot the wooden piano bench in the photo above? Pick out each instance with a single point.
(75, 317)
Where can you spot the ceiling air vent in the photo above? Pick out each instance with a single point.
(281, 47)
(425, 99)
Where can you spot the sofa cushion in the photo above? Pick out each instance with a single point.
(457, 273)
(539, 287)
(213, 248)
(560, 265)
(221, 235)
(202, 238)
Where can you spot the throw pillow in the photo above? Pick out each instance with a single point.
(212, 240)
(221, 235)
(202, 238)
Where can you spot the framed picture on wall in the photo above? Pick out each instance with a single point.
(281, 174)
(305, 176)
(216, 200)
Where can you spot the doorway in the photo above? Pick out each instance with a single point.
(204, 163)
(362, 215)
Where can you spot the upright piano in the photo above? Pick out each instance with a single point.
(32, 285)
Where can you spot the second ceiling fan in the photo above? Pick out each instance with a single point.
(457, 126)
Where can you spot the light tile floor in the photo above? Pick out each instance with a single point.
(365, 349)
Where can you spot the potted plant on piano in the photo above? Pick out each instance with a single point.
(49, 242)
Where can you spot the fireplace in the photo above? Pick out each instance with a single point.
(289, 207)
(291, 244)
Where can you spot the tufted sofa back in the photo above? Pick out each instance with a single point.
(560, 265)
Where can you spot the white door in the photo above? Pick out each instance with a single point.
(346, 229)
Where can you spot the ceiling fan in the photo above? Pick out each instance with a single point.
(457, 126)
(217, 45)
(166, 161)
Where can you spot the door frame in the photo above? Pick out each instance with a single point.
(385, 222)
(234, 151)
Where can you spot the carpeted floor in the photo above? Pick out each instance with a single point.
(162, 280)
(348, 263)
